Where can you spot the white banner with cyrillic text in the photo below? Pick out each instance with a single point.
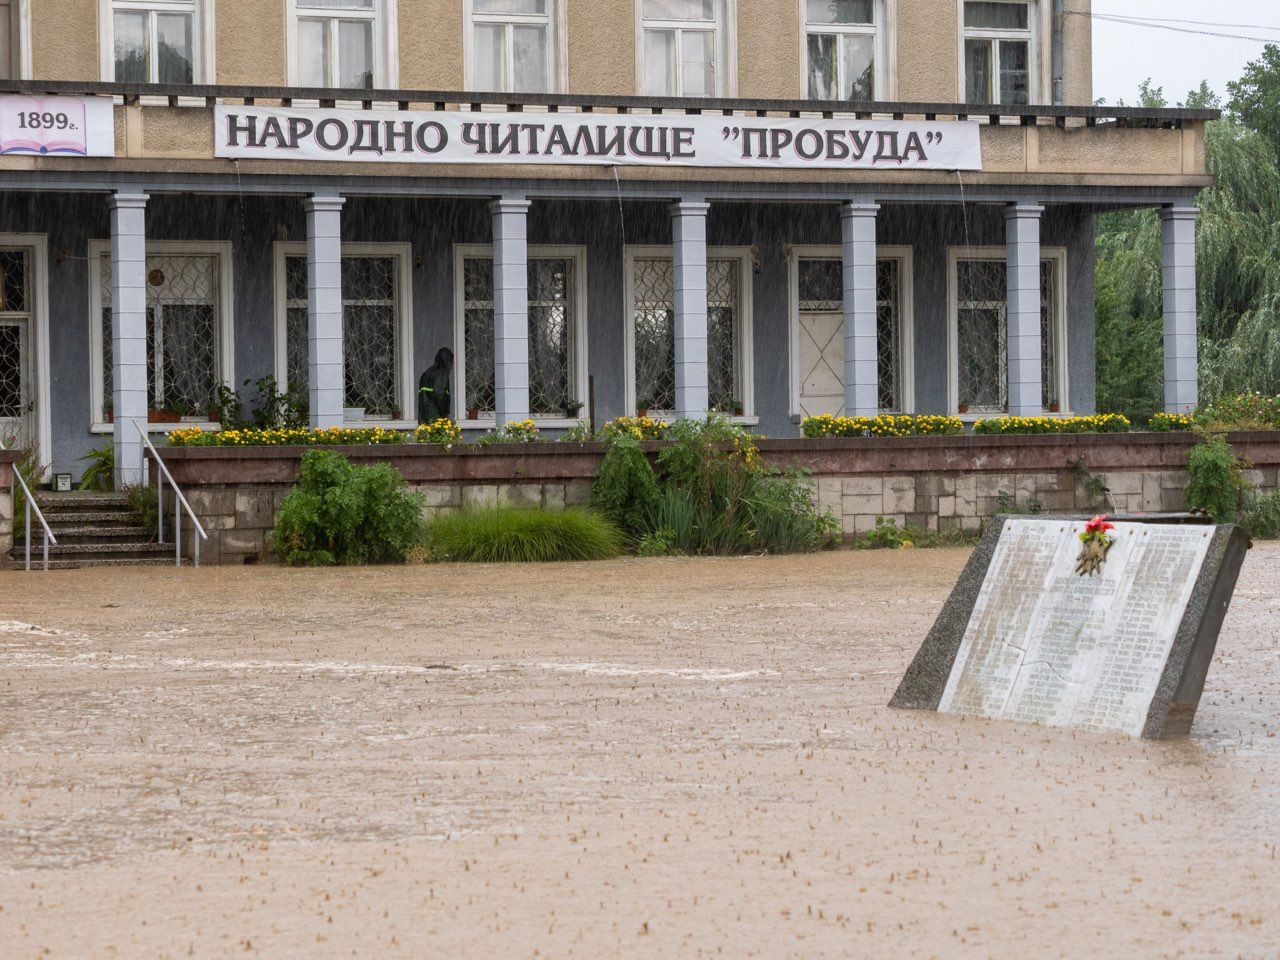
(276, 133)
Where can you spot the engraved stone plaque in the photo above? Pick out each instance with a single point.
(1026, 637)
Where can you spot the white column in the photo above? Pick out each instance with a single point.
(861, 360)
(1022, 249)
(510, 309)
(128, 332)
(1181, 377)
(326, 392)
(689, 252)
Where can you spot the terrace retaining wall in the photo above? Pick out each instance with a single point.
(937, 483)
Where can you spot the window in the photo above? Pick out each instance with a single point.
(512, 46)
(842, 49)
(155, 41)
(818, 331)
(375, 327)
(684, 48)
(999, 51)
(346, 44)
(188, 327)
(12, 53)
(980, 332)
(652, 331)
(557, 332)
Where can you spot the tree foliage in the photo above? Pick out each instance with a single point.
(1238, 261)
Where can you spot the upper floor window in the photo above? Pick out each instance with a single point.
(512, 45)
(842, 41)
(684, 47)
(10, 40)
(340, 43)
(155, 41)
(999, 51)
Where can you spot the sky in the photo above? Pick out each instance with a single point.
(1124, 55)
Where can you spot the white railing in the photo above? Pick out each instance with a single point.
(32, 505)
(180, 504)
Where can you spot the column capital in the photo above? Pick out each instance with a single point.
(1022, 210)
(510, 205)
(859, 208)
(1179, 212)
(127, 201)
(689, 208)
(322, 203)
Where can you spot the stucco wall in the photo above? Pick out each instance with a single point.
(250, 45)
(431, 44)
(64, 39)
(250, 42)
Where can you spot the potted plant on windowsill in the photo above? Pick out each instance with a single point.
(167, 413)
(642, 407)
(473, 414)
(572, 408)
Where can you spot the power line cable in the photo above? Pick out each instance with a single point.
(1110, 18)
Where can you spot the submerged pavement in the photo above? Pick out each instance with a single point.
(641, 758)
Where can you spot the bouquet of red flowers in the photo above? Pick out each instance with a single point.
(1097, 544)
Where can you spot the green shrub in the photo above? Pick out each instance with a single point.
(343, 514)
(625, 488)
(886, 536)
(1215, 481)
(1261, 515)
(144, 504)
(784, 518)
(521, 535)
(660, 543)
(100, 474)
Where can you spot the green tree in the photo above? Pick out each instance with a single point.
(1255, 97)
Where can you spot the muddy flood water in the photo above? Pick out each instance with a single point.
(647, 758)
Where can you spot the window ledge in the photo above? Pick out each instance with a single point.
(547, 423)
(110, 428)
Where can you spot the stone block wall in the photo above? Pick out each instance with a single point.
(239, 518)
(962, 501)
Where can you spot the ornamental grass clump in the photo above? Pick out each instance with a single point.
(341, 514)
(521, 535)
(708, 492)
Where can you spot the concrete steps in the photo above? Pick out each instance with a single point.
(93, 530)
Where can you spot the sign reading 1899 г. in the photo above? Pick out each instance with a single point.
(457, 136)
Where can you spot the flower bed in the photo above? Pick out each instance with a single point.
(1099, 423)
(1170, 422)
(885, 425)
(438, 432)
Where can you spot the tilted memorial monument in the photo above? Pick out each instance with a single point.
(1094, 624)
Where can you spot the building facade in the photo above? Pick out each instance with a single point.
(769, 209)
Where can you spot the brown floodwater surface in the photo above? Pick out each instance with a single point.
(642, 758)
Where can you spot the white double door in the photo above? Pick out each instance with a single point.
(821, 364)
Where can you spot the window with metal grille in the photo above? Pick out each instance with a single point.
(183, 331)
(821, 290)
(370, 325)
(552, 318)
(653, 316)
(982, 331)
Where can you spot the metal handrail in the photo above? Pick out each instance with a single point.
(32, 505)
(180, 504)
